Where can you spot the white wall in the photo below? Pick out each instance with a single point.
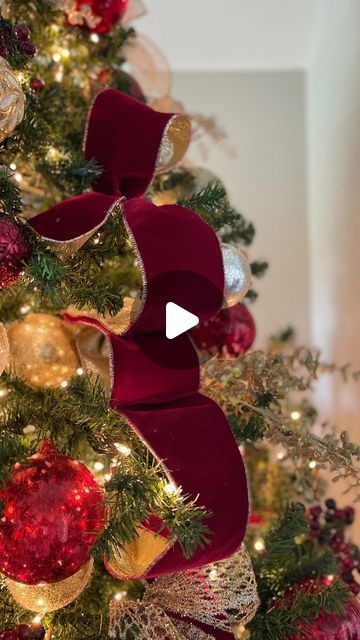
(263, 115)
(333, 100)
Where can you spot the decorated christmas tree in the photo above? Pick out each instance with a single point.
(128, 457)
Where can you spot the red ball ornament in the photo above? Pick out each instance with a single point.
(53, 513)
(37, 84)
(14, 247)
(332, 627)
(23, 632)
(98, 16)
(230, 333)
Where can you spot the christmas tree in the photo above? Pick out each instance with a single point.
(124, 496)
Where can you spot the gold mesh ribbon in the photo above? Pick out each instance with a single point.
(222, 596)
(134, 559)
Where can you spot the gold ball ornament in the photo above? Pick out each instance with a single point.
(4, 348)
(43, 598)
(12, 100)
(237, 274)
(42, 350)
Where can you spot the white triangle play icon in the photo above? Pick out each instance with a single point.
(178, 320)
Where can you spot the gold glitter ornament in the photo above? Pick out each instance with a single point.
(42, 350)
(43, 598)
(237, 274)
(222, 596)
(4, 348)
(12, 100)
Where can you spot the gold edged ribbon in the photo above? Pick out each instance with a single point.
(222, 596)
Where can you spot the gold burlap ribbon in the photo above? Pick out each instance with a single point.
(222, 596)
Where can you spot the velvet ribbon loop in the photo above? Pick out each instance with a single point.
(155, 381)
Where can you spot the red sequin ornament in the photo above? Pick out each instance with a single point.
(53, 512)
(230, 333)
(326, 626)
(14, 247)
(97, 16)
(23, 632)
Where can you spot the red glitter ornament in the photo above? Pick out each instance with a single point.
(230, 333)
(98, 16)
(14, 247)
(23, 632)
(53, 513)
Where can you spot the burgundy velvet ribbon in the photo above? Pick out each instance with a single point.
(156, 380)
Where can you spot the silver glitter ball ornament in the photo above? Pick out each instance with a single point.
(237, 274)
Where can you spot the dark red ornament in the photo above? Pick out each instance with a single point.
(53, 512)
(332, 627)
(104, 14)
(28, 48)
(14, 247)
(230, 333)
(23, 632)
(37, 84)
(21, 32)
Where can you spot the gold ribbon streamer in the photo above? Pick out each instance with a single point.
(221, 595)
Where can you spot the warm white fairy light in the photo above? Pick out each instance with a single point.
(59, 75)
(80, 371)
(3, 393)
(312, 464)
(295, 415)
(94, 38)
(36, 620)
(18, 177)
(107, 477)
(170, 488)
(259, 544)
(13, 166)
(64, 384)
(280, 455)
(98, 466)
(122, 448)
(120, 595)
(56, 57)
(24, 309)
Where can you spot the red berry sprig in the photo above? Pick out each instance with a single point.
(23, 632)
(15, 43)
(328, 527)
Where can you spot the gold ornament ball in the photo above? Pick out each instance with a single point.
(42, 350)
(12, 100)
(4, 348)
(43, 598)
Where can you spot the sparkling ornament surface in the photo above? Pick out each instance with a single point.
(43, 598)
(12, 100)
(237, 274)
(4, 348)
(333, 627)
(97, 16)
(230, 333)
(42, 350)
(23, 632)
(53, 513)
(205, 596)
(14, 247)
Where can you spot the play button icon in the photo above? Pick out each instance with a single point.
(178, 320)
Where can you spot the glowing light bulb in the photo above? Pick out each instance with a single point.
(120, 595)
(295, 415)
(280, 455)
(64, 384)
(37, 620)
(312, 464)
(107, 477)
(170, 488)
(94, 38)
(59, 75)
(24, 309)
(80, 371)
(123, 449)
(13, 166)
(259, 545)
(98, 466)
(56, 57)
(18, 177)
(65, 53)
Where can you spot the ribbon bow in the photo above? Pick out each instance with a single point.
(196, 605)
(155, 381)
